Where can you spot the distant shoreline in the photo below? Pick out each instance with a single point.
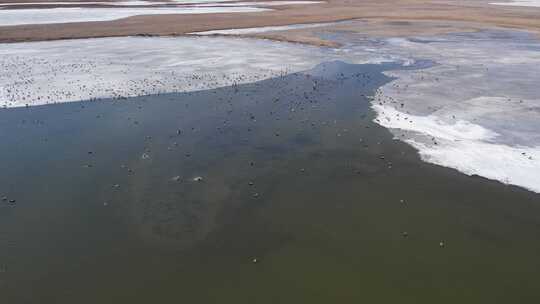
(381, 18)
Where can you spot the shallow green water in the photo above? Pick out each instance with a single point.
(294, 175)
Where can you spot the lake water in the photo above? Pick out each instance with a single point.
(279, 191)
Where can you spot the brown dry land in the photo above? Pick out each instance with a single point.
(382, 17)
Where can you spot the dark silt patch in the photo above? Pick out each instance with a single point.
(280, 191)
(401, 23)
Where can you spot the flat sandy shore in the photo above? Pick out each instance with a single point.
(386, 17)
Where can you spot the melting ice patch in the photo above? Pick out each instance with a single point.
(92, 14)
(114, 3)
(432, 125)
(262, 29)
(529, 3)
(37, 73)
(260, 3)
(476, 110)
(467, 147)
(507, 164)
(10, 17)
(119, 3)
